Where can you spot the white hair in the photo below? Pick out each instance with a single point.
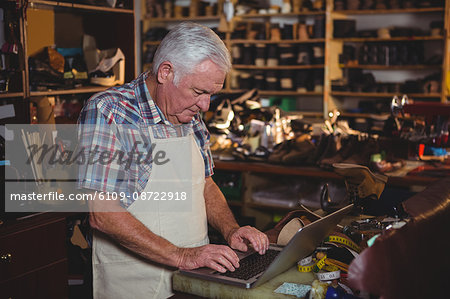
(189, 44)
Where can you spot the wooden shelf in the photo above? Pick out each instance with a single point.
(309, 171)
(288, 93)
(173, 19)
(43, 3)
(6, 95)
(391, 67)
(392, 39)
(279, 67)
(283, 41)
(84, 89)
(276, 92)
(388, 11)
(276, 169)
(382, 95)
(292, 14)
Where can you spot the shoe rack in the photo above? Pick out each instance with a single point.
(317, 100)
(411, 53)
(47, 23)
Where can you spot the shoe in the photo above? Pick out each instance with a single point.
(258, 80)
(272, 81)
(318, 55)
(344, 28)
(279, 151)
(113, 61)
(275, 33)
(236, 54)
(286, 80)
(302, 32)
(304, 55)
(301, 84)
(361, 183)
(272, 55)
(299, 153)
(249, 55)
(287, 32)
(319, 27)
(260, 54)
(348, 147)
(333, 145)
(245, 81)
(286, 52)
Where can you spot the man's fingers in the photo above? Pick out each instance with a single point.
(231, 256)
(215, 266)
(226, 263)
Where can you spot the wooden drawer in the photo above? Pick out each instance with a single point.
(32, 248)
(48, 282)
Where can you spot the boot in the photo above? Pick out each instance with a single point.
(362, 185)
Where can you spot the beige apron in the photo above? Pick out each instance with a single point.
(118, 273)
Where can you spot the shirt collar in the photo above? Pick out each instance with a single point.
(149, 110)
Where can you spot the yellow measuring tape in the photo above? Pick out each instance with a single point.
(343, 241)
(312, 266)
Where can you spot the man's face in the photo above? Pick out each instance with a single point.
(193, 92)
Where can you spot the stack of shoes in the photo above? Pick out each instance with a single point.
(47, 70)
(347, 148)
(293, 152)
(299, 153)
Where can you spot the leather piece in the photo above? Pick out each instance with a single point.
(305, 217)
(434, 196)
(289, 230)
(411, 262)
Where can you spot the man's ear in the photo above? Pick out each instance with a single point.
(165, 72)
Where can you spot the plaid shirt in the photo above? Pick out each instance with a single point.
(116, 120)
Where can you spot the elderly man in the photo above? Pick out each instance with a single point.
(136, 245)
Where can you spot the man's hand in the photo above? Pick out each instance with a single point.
(238, 239)
(217, 257)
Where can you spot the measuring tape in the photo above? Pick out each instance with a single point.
(337, 264)
(343, 241)
(328, 275)
(307, 264)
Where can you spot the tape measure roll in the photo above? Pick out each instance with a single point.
(324, 276)
(344, 241)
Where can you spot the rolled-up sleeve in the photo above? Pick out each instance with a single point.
(102, 171)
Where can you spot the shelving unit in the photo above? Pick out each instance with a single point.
(72, 5)
(278, 67)
(230, 42)
(283, 41)
(380, 95)
(330, 99)
(45, 23)
(385, 18)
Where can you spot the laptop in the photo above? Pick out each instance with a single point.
(255, 269)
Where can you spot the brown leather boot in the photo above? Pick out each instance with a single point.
(360, 182)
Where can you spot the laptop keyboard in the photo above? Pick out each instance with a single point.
(253, 264)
